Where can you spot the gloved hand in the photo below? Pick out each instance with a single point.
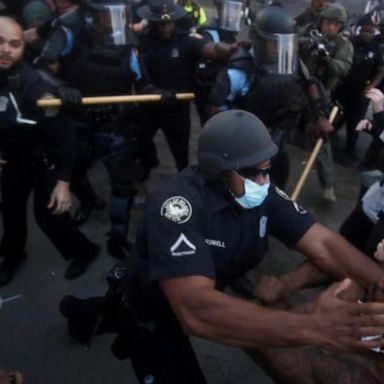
(323, 127)
(168, 98)
(69, 96)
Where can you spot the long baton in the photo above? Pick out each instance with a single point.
(315, 152)
(114, 99)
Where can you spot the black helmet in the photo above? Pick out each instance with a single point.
(275, 42)
(273, 19)
(233, 140)
(109, 21)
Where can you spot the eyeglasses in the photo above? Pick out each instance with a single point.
(253, 172)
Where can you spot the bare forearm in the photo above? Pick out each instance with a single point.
(236, 322)
(306, 275)
(335, 255)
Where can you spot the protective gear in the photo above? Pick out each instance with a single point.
(168, 97)
(377, 15)
(161, 11)
(230, 15)
(232, 140)
(334, 11)
(69, 96)
(275, 41)
(109, 21)
(254, 195)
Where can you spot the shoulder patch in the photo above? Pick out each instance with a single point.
(177, 209)
(297, 207)
(282, 193)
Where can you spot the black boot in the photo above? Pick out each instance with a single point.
(8, 269)
(118, 246)
(83, 316)
(80, 265)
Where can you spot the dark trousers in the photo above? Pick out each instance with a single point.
(17, 182)
(167, 355)
(115, 147)
(175, 122)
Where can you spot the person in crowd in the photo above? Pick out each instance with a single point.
(13, 377)
(269, 81)
(93, 56)
(328, 55)
(311, 14)
(38, 150)
(367, 72)
(364, 226)
(170, 55)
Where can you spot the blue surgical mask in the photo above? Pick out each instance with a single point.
(254, 195)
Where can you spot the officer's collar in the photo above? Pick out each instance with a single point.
(219, 197)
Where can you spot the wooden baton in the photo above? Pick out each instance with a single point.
(312, 158)
(114, 99)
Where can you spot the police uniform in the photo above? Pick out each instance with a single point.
(40, 149)
(206, 70)
(97, 69)
(170, 66)
(193, 227)
(275, 99)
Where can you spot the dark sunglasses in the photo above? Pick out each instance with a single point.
(253, 172)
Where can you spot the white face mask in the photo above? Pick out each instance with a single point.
(254, 195)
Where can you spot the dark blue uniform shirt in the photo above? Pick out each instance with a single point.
(193, 227)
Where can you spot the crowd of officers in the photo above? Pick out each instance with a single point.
(289, 73)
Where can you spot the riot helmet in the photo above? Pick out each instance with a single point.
(275, 41)
(335, 12)
(109, 21)
(231, 141)
(377, 15)
(230, 15)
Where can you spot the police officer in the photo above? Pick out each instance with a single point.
(92, 48)
(311, 14)
(195, 15)
(170, 55)
(38, 151)
(209, 225)
(227, 27)
(367, 72)
(328, 55)
(269, 82)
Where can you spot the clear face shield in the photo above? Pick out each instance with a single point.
(276, 53)
(110, 24)
(231, 12)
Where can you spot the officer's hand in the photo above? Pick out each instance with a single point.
(377, 99)
(2, 163)
(339, 324)
(69, 96)
(323, 127)
(270, 290)
(60, 200)
(168, 98)
(364, 125)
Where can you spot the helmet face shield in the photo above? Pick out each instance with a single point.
(110, 23)
(230, 17)
(276, 53)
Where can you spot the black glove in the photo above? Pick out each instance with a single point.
(168, 98)
(69, 96)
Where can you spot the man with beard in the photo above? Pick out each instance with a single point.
(38, 150)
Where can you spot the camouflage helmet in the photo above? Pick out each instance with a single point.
(334, 11)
